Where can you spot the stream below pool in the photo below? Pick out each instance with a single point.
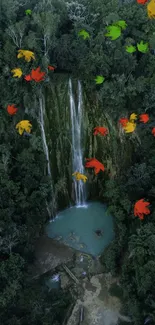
(76, 228)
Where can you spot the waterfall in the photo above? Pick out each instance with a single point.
(41, 104)
(77, 165)
(51, 205)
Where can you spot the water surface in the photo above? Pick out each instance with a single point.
(75, 227)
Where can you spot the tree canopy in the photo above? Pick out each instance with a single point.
(51, 31)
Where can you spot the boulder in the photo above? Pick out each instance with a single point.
(50, 254)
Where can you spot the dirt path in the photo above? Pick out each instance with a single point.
(100, 308)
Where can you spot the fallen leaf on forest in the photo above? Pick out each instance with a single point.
(35, 75)
(121, 23)
(94, 163)
(133, 117)
(143, 47)
(17, 72)
(142, 2)
(11, 109)
(84, 34)
(28, 12)
(141, 208)
(99, 80)
(80, 176)
(144, 118)
(114, 32)
(151, 9)
(153, 131)
(50, 67)
(28, 55)
(130, 49)
(123, 121)
(100, 130)
(130, 127)
(24, 125)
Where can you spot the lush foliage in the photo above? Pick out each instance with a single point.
(51, 31)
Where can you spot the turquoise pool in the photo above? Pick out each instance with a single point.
(76, 227)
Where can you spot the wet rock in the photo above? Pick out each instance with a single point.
(100, 307)
(50, 254)
(58, 238)
(65, 281)
(82, 245)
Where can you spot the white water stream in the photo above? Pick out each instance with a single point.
(42, 111)
(77, 164)
(50, 207)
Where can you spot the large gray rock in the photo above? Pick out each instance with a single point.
(50, 254)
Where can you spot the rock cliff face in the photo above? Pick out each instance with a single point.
(58, 125)
(58, 132)
(50, 254)
(111, 150)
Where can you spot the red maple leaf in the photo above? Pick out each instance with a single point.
(100, 130)
(153, 131)
(94, 163)
(144, 118)
(37, 75)
(123, 121)
(142, 2)
(28, 77)
(141, 208)
(50, 67)
(11, 109)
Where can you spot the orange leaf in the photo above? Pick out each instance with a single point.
(144, 118)
(94, 163)
(11, 109)
(28, 77)
(100, 130)
(142, 2)
(141, 208)
(123, 121)
(50, 67)
(37, 75)
(153, 131)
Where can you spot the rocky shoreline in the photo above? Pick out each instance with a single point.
(92, 289)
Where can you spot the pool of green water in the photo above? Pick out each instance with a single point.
(76, 227)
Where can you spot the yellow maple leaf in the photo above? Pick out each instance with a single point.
(151, 9)
(24, 125)
(130, 127)
(17, 72)
(80, 176)
(133, 117)
(28, 55)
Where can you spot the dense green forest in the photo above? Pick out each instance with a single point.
(51, 32)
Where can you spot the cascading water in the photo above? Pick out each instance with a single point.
(77, 165)
(43, 134)
(50, 208)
